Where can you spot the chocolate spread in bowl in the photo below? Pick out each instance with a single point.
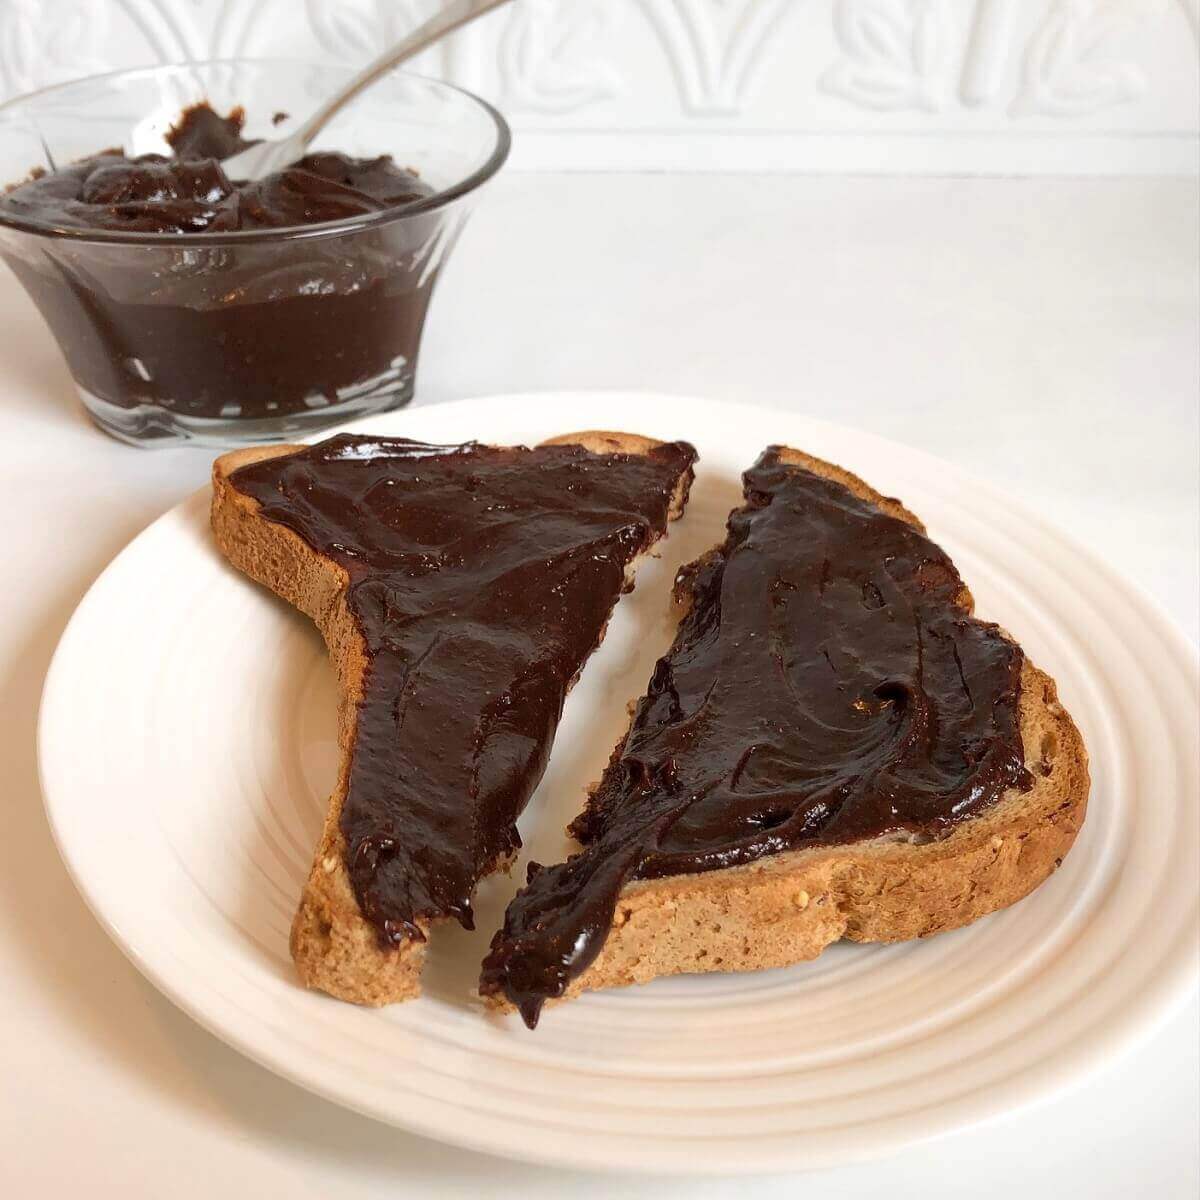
(231, 330)
(824, 687)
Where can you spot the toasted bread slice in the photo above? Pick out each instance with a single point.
(786, 907)
(336, 948)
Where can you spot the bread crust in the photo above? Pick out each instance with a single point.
(335, 949)
(787, 908)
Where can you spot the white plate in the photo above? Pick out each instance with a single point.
(187, 748)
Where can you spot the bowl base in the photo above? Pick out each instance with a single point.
(150, 426)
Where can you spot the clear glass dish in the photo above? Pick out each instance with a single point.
(248, 335)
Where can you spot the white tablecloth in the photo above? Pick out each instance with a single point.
(1041, 333)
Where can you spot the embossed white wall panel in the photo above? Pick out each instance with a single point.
(1065, 86)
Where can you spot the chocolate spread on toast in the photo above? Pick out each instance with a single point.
(825, 686)
(480, 579)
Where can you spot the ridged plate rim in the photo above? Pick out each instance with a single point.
(295, 1035)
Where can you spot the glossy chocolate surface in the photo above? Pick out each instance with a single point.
(825, 686)
(189, 191)
(227, 332)
(481, 579)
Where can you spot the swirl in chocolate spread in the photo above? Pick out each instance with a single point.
(210, 331)
(189, 191)
(481, 579)
(824, 686)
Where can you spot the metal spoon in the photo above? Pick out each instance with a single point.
(266, 157)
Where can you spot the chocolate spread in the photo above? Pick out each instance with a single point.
(245, 331)
(190, 192)
(481, 579)
(824, 686)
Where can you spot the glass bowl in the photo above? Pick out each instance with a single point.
(248, 335)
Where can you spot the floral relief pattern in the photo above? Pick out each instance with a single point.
(357, 30)
(36, 51)
(986, 54)
(698, 68)
(1073, 65)
(901, 54)
(170, 30)
(895, 53)
(716, 48)
(547, 55)
(237, 27)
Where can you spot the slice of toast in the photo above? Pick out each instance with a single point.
(784, 907)
(373, 893)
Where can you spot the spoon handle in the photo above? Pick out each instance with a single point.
(450, 18)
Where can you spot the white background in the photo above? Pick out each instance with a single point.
(1042, 333)
(993, 86)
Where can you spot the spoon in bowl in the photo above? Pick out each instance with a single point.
(266, 157)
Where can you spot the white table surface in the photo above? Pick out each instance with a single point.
(1041, 333)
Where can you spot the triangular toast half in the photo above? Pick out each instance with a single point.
(833, 747)
(459, 590)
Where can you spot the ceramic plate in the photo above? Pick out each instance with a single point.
(187, 750)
